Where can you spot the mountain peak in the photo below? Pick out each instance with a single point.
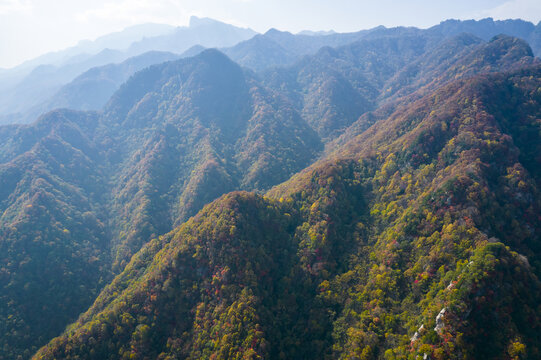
(506, 43)
(197, 21)
(214, 55)
(316, 33)
(275, 32)
(205, 21)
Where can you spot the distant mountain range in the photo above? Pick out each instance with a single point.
(34, 83)
(36, 86)
(371, 195)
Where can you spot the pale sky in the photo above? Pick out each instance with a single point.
(29, 28)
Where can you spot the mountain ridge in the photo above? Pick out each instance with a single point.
(375, 202)
(448, 158)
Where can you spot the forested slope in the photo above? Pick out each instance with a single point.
(82, 192)
(419, 237)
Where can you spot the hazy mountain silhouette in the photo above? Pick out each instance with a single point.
(50, 72)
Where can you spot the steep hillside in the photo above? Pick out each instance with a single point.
(82, 192)
(92, 89)
(444, 175)
(53, 239)
(460, 57)
(418, 238)
(333, 88)
(208, 128)
(189, 131)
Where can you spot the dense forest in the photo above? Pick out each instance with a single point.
(370, 196)
(371, 253)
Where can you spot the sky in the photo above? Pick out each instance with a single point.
(29, 28)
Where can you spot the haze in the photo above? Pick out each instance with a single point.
(29, 28)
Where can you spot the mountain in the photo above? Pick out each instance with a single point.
(418, 238)
(115, 41)
(334, 87)
(535, 39)
(45, 80)
(23, 96)
(205, 32)
(83, 191)
(25, 89)
(53, 238)
(281, 48)
(92, 89)
(193, 51)
(488, 28)
(211, 126)
(123, 39)
(485, 28)
(83, 51)
(107, 207)
(316, 33)
(460, 57)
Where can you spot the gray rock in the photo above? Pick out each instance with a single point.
(439, 321)
(417, 334)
